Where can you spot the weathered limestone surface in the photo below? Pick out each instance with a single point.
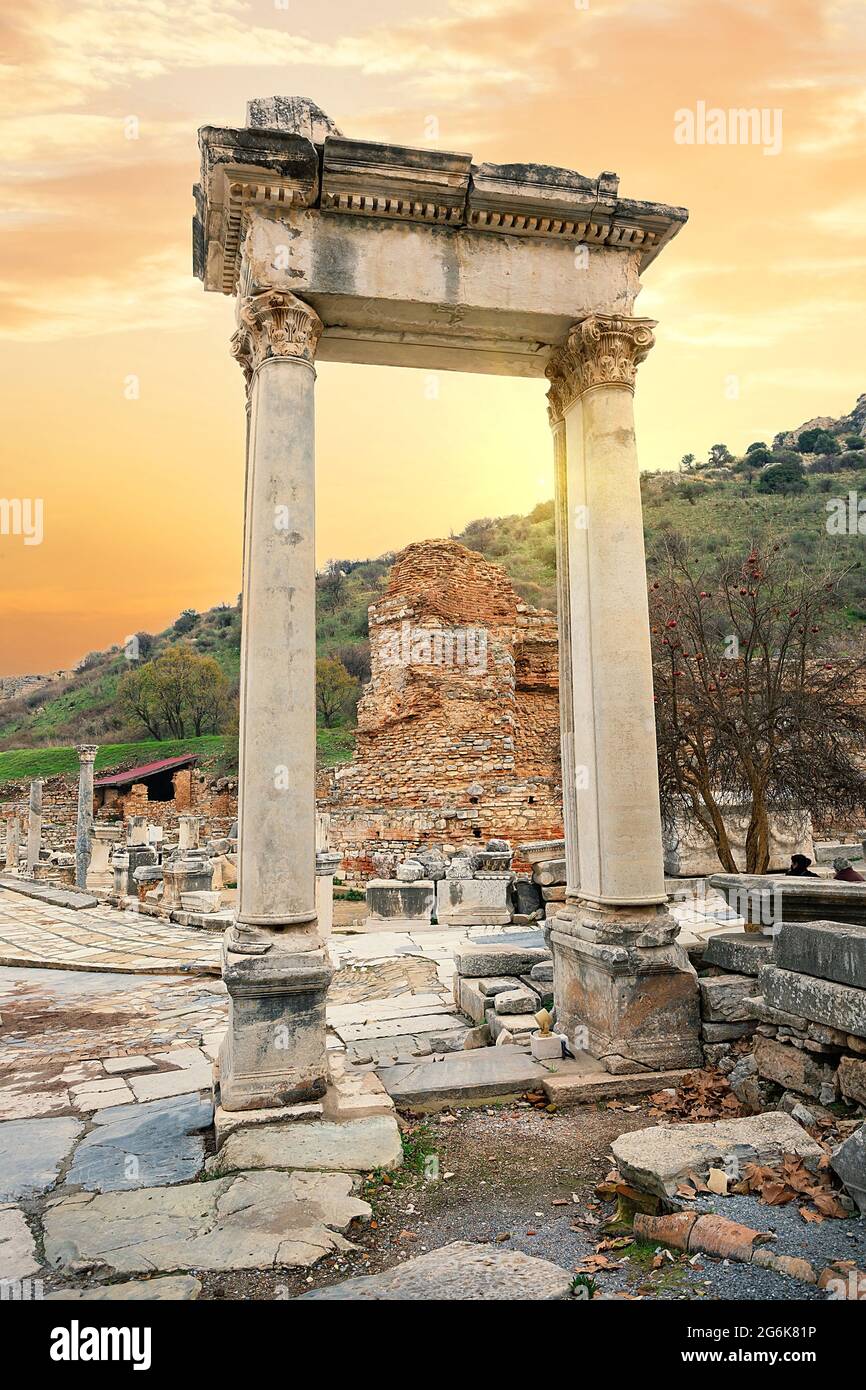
(390, 900)
(723, 998)
(852, 1078)
(34, 825)
(259, 1220)
(18, 1258)
(849, 1162)
(350, 1146)
(175, 1288)
(473, 902)
(773, 898)
(636, 1008)
(462, 1270)
(822, 1001)
(32, 1153)
(828, 950)
(485, 961)
(163, 1137)
(742, 952)
(657, 1159)
(468, 1077)
(794, 1069)
(51, 893)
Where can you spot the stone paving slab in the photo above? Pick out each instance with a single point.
(260, 1220)
(174, 1287)
(146, 1145)
(464, 1077)
(462, 1270)
(18, 1258)
(54, 936)
(52, 893)
(32, 1154)
(348, 1146)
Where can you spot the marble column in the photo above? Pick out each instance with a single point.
(84, 825)
(624, 989)
(275, 965)
(563, 603)
(13, 841)
(34, 825)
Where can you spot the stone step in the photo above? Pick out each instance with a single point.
(50, 893)
(743, 952)
(822, 1001)
(466, 1078)
(576, 1088)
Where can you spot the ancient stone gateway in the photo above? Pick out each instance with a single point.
(351, 251)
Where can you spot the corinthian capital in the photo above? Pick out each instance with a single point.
(274, 323)
(601, 350)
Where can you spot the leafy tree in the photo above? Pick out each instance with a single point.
(687, 463)
(817, 441)
(336, 690)
(750, 708)
(854, 442)
(719, 456)
(758, 446)
(177, 694)
(185, 622)
(786, 477)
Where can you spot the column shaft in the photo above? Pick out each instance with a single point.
(84, 824)
(275, 966)
(34, 825)
(566, 684)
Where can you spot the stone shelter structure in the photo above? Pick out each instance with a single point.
(458, 728)
(346, 250)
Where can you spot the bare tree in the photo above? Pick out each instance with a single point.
(757, 702)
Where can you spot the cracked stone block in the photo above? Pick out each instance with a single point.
(723, 998)
(356, 1145)
(258, 1220)
(657, 1159)
(827, 950)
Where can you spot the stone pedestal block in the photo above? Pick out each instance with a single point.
(633, 1006)
(274, 1050)
(105, 839)
(124, 864)
(189, 875)
(391, 900)
(473, 902)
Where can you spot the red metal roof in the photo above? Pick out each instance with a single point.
(140, 774)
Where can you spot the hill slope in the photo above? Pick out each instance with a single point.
(724, 503)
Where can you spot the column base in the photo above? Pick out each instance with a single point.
(624, 990)
(273, 1053)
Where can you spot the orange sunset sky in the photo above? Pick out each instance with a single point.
(142, 498)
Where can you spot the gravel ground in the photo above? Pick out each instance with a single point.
(524, 1179)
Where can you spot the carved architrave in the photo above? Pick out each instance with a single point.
(274, 323)
(601, 350)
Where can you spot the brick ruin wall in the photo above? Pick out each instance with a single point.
(214, 800)
(458, 728)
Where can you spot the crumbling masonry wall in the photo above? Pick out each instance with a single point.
(458, 728)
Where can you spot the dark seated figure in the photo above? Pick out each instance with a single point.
(800, 867)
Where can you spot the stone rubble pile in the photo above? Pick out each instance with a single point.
(801, 997)
(501, 988)
(472, 886)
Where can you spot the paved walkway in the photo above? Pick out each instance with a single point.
(103, 938)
